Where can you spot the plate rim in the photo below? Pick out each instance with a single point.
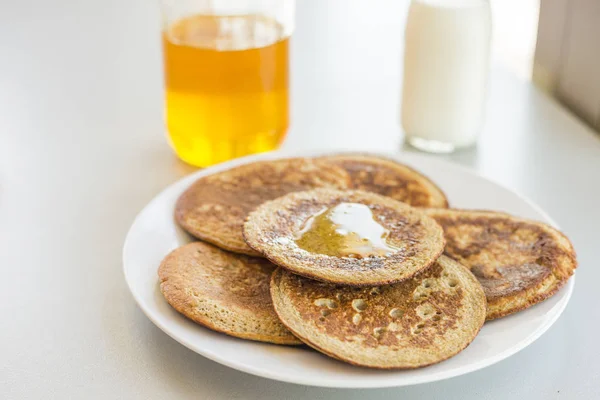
(333, 382)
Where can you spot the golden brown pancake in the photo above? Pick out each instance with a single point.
(214, 207)
(519, 262)
(390, 178)
(411, 324)
(399, 242)
(223, 291)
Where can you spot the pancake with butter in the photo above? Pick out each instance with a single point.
(223, 291)
(214, 207)
(390, 178)
(410, 324)
(519, 262)
(349, 237)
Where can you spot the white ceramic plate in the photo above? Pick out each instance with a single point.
(154, 234)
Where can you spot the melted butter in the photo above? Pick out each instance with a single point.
(345, 230)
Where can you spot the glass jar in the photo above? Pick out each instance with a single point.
(226, 76)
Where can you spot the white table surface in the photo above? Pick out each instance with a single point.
(82, 151)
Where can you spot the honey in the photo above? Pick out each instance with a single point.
(345, 230)
(226, 81)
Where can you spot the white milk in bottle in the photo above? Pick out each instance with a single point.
(446, 64)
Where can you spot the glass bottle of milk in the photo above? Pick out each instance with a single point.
(446, 65)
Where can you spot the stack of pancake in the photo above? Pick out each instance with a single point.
(356, 256)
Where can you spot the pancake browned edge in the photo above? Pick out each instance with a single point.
(272, 228)
(214, 207)
(411, 324)
(374, 173)
(519, 262)
(225, 292)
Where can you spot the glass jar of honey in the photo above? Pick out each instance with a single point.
(226, 77)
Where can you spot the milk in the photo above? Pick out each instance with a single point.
(446, 66)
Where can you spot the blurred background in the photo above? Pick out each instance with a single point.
(120, 60)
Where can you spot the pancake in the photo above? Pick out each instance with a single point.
(225, 292)
(214, 207)
(390, 178)
(518, 262)
(348, 237)
(411, 324)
